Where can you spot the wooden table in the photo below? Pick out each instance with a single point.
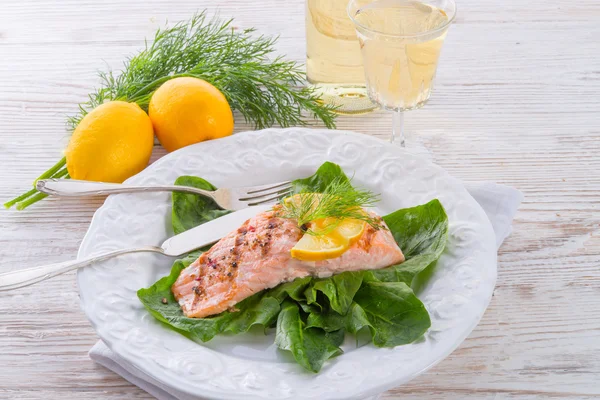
(517, 102)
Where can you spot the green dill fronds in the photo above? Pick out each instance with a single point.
(267, 90)
(339, 201)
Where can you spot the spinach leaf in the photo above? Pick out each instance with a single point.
(311, 347)
(328, 320)
(191, 210)
(339, 289)
(357, 319)
(421, 232)
(393, 313)
(320, 180)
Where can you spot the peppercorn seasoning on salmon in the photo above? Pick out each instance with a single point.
(256, 256)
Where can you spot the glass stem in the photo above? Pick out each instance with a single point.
(398, 128)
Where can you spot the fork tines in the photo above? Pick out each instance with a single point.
(257, 195)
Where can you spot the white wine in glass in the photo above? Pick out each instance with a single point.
(401, 41)
(334, 65)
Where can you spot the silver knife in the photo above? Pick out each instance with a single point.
(178, 245)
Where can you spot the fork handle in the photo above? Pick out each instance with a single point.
(77, 188)
(25, 277)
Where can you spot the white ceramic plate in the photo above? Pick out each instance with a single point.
(249, 366)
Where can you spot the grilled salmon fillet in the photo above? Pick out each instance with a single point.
(256, 256)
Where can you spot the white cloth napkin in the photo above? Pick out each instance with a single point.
(499, 202)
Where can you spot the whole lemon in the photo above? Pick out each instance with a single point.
(111, 143)
(186, 110)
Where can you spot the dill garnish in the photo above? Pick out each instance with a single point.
(339, 201)
(267, 90)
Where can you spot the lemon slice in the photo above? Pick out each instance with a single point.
(320, 247)
(332, 243)
(352, 229)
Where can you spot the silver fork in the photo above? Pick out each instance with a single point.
(226, 198)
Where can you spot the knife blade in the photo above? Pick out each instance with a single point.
(209, 232)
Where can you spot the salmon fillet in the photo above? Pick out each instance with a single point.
(256, 256)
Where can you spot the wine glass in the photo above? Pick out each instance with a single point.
(400, 42)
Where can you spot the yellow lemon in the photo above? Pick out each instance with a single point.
(185, 111)
(335, 240)
(111, 143)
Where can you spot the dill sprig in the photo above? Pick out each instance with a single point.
(267, 90)
(338, 202)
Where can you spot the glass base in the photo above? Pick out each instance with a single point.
(349, 99)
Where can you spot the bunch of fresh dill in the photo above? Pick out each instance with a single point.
(267, 90)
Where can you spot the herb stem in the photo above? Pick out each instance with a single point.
(34, 199)
(22, 197)
(48, 174)
(63, 173)
(39, 196)
(58, 170)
